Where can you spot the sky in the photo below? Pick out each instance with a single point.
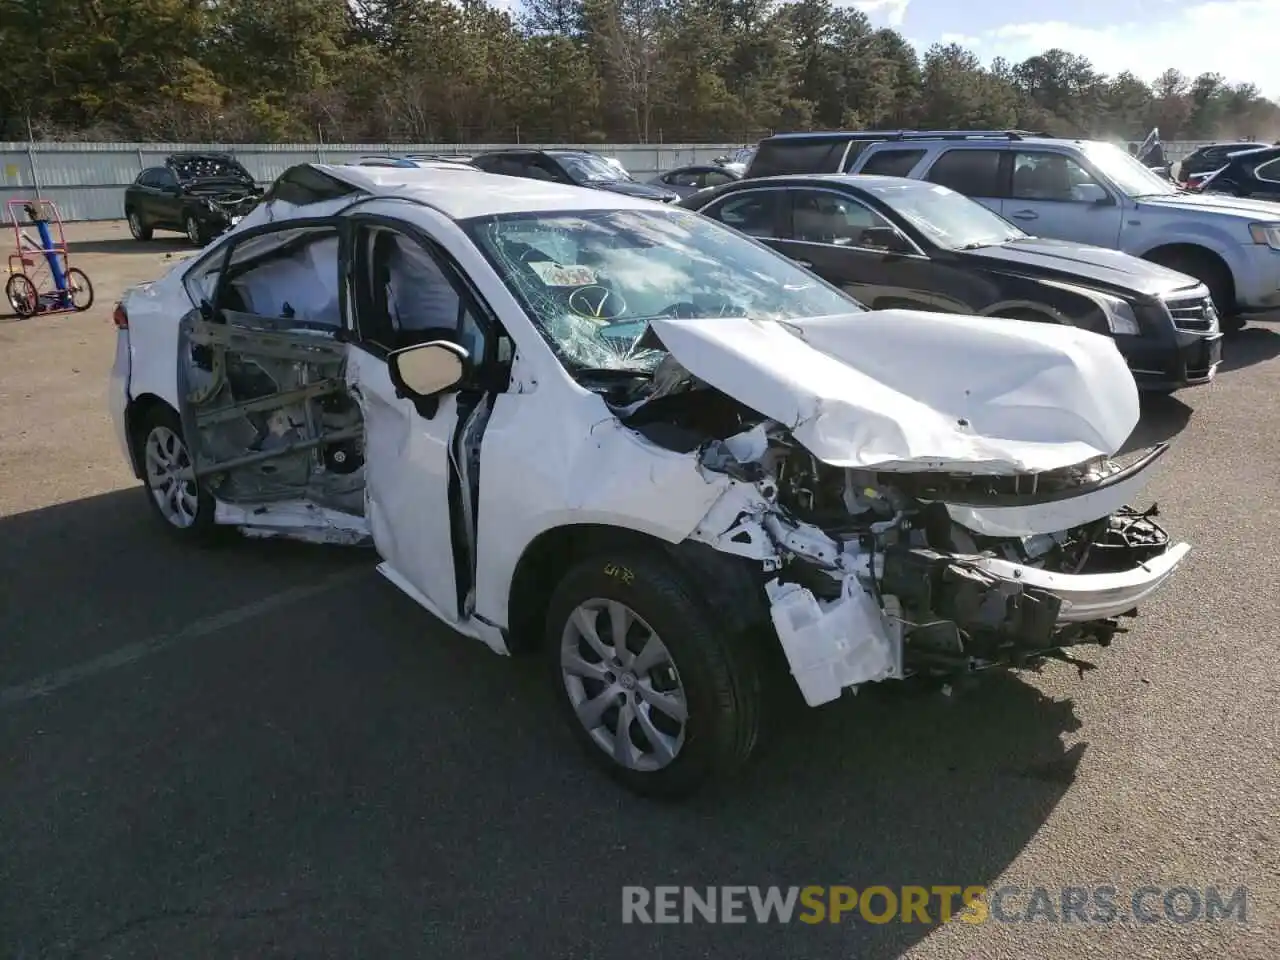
(1239, 39)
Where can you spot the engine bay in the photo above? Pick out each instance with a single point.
(816, 527)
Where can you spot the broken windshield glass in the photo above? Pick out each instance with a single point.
(592, 280)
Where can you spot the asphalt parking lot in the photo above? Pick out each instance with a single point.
(266, 750)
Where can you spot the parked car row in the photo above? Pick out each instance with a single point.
(893, 243)
(654, 450)
(1082, 191)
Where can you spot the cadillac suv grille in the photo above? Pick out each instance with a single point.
(1193, 314)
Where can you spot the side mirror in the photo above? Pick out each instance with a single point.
(883, 238)
(1091, 193)
(426, 370)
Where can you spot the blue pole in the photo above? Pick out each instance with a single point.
(55, 267)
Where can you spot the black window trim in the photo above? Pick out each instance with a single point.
(881, 147)
(1004, 167)
(1274, 162)
(722, 199)
(916, 252)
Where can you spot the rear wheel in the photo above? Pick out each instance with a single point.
(173, 492)
(22, 295)
(654, 692)
(1214, 274)
(137, 228)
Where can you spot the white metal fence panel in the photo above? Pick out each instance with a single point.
(87, 180)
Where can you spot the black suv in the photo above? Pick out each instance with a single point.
(1207, 159)
(578, 167)
(1254, 173)
(199, 194)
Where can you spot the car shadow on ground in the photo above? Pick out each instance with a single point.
(126, 244)
(1252, 345)
(1163, 418)
(428, 787)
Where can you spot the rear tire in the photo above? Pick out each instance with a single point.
(23, 297)
(139, 230)
(1214, 275)
(183, 508)
(689, 696)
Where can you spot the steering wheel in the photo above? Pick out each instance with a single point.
(596, 302)
(715, 307)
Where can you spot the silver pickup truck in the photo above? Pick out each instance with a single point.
(1085, 191)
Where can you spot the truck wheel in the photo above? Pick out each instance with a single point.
(654, 692)
(176, 498)
(137, 228)
(1214, 275)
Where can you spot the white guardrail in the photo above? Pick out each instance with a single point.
(87, 180)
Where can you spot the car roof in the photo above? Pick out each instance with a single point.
(463, 193)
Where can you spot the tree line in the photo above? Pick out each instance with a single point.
(568, 71)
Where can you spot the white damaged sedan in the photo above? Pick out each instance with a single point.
(640, 442)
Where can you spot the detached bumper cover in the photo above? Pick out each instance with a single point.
(1090, 596)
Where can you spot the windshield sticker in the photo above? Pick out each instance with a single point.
(563, 275)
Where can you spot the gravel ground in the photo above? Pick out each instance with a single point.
(267, 751)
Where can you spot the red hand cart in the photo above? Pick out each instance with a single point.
(41, 278)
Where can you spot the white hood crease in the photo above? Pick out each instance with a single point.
(901, 390)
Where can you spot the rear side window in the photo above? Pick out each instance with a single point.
(975, 173)
(797, 156)
(753, 213)
(1269, 171)
(892, 163)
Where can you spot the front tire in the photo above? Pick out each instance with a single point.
(175, 496)
(651, 688)
(139, 230)
(195, 233)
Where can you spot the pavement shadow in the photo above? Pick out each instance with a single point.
(1252, 345)
(346, 777)
(1163, 418)
(126, 244)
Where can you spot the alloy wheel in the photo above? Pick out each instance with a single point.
(170, 477)
(623, 685)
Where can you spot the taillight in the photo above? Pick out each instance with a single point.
(120, 317)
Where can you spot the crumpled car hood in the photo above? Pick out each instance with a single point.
(901, 390)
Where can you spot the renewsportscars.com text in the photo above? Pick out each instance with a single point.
(1095, 904)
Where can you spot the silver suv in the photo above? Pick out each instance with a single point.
(1085, 191)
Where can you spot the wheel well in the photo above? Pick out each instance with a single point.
(546, 560)
(135, 415)
(731, 586)
(1171, 253)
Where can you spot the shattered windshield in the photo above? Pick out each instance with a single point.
(589, 168)
(592, 280)
(947, 218)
